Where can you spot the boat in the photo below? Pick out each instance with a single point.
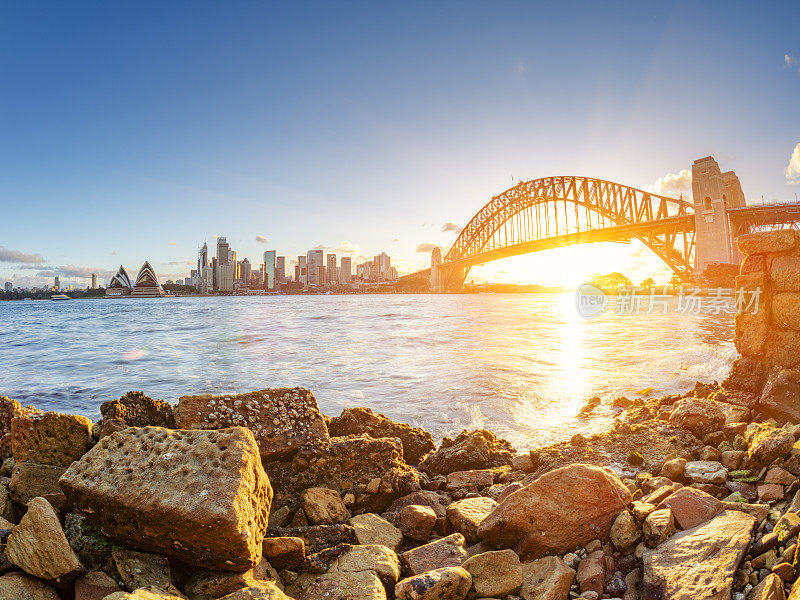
(60, 297)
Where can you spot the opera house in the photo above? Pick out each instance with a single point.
(146, 285)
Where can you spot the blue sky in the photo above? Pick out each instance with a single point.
(137, 131)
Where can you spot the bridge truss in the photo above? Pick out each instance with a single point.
(557, 211)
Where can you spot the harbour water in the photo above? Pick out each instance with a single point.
(519, 364)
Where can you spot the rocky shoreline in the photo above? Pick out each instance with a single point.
(261, 496)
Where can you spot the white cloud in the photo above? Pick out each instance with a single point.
(520, 67)
(789, 60)
(673, 184)
(348, 248)
(15, 256)
(173, 244)
(792, 170)
(261, 239)
(426, 248)
(450, 226)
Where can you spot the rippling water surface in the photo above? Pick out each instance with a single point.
(519, 364)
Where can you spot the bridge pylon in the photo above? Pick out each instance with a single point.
(715, 194)
(445, 277)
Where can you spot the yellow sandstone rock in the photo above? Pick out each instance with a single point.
(199, 496)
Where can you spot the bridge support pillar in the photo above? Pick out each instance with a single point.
(445, 277)
(714, 194)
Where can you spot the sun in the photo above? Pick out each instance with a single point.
(572, 265)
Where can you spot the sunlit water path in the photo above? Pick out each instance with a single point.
(519, 364)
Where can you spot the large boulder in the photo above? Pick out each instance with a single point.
(447, 583)
(372, 470)
(781, 396)
(323, 506)
(559, 511)
(495, 574)
(9, 408)
(698, 562)
(284, 552)
(470, 450)
(765, 443)
(373, 529)
(547, 578)
(416, 441)
(30, 480)
(281, 419)
(436, 501)
(39, 547)
(358, 573)
(50, 438)
(449, 551)
(18, 586)
(199, 496)
(691, 507)
(136, 409)
(697, 415)
(139, 569)
(465, 516)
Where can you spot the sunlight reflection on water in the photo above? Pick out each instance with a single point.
(521, 365)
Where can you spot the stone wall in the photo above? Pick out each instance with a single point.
(767, 332)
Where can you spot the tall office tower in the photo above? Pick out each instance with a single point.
(315, 261)
(346, 270)
(223, 250)
(364, 270)
(383, 262)
(244, 271)
(302, 263)
(9, 286)
(202, 258)
(57, 283)
(269, 270)
(94, 281)
(297, 273)
(226, 276)
(280, 270)
(331, 271)
(214, 273)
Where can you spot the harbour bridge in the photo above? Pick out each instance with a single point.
(552, 212)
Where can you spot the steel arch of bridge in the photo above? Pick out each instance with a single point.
(556, 211)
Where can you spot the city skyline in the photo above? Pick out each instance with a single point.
(395, 151)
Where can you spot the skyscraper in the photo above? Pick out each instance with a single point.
(303, 266)
(315, 261)
(94, 281)
(384, 262)
(244, 271)
(56, 283)
(202, 259)
(269, 270)
(346, 270)
(280, 270)
(223, 248)
(9, 286)
(332, 271)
